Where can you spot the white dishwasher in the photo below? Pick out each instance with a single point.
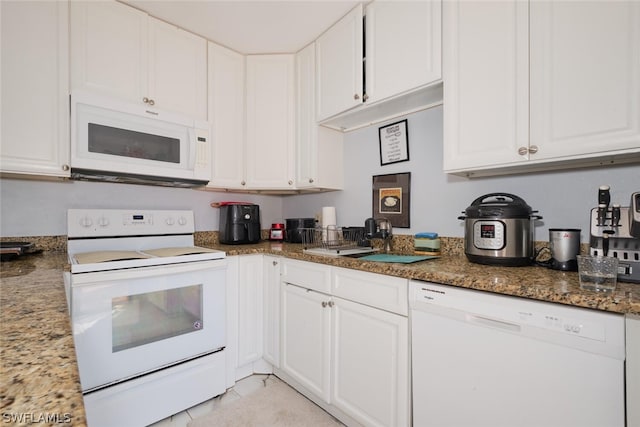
(482, 359)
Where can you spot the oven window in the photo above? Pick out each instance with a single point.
(138, 145)
(146, 318)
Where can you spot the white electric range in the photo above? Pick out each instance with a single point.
(148, 314)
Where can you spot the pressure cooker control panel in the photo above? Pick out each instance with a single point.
(489, 234)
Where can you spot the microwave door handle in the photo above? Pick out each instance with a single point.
(192, 148)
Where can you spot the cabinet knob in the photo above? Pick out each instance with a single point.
(145, 100)
(243, 183)
(290, 182)
(356, 96)
(330, 303)
(533, 149)
(152, 102)
(324, 303)
(310, 180)
(523, 151)
(365, 97)
(65, 167)
(275, 262)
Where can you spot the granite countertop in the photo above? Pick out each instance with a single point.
(454, 269)
(39, 381)
(39, 377)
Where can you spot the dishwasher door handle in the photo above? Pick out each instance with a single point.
(493, 323)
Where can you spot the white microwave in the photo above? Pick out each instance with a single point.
(117, 141)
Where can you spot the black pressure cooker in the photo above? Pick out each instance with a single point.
(499, 230)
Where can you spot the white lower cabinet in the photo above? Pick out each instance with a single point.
(352, 356)
(306, 338)
(250, 317)
(370, 374)
(632, 369)
(271, 310)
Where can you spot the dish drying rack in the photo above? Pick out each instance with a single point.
(335, 241)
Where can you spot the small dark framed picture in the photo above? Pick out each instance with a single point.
(392, 197)
(394, 143)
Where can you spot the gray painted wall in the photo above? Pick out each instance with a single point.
(38, 208)
(437, 199)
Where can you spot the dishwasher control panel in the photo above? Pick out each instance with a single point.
(509, 313)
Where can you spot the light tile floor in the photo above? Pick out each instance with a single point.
(242, 388)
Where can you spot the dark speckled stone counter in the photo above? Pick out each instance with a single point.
(39, 376)
(39, 382)
(454, 269)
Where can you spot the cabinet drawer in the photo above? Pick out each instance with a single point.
(376, 290)
(307, 274)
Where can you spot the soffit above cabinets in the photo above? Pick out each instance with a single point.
(250, 27)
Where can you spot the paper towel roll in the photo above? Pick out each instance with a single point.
(329, 222)
(328, 216)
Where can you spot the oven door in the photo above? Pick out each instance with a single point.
(133, 321)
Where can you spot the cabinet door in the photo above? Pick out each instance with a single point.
(271, 350)
(632, 369)
(403, 47)
(250, 308)
(339, 66)
(35, 102)
(108, 49)
(585, 77)
(370, 377)
(485, 73)
(177, 69)
(319, 158)
(226, 117)
(306, 338)
(270, 121)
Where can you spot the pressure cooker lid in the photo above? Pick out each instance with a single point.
(499, 205)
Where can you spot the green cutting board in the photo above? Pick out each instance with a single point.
(406, 259)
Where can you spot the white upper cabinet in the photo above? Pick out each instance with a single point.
(339, 65)
(403, 47)
(486, 85)
(177, 69)
(319, 155)
(123, 52)
(387, 67)
(270, 151)
(226, 117)
(539, 85)
(585, 77)
(34, 126)
(104, 59)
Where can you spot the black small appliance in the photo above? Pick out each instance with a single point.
(239, 223)
(295, 227)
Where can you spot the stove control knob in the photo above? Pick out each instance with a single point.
(103, 221)
(86, 222)
(182, 220)
(170, 221)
